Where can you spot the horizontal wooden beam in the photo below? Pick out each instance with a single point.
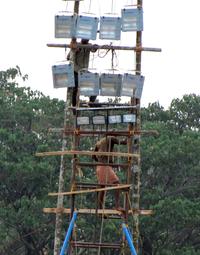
(105, 108)
(106, 132)
(94, 164)
(98, 211)
(77, 192)
(104, 47)
(96, 245)
(87, 153)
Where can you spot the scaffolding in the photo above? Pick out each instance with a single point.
(126, 162)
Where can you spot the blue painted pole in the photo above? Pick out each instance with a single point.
(68, 234)
(129, 239)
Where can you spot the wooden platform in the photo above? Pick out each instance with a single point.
(87, 153)
(77, 192)
(96, 245)
(98, 211)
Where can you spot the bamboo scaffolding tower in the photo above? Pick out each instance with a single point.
(128, 162)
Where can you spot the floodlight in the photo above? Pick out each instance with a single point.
(114, 119)
(88, 83)
(110, 28)
(98, 120)
(65, 25)
(86, 27)
(129, 84)
(63, 75)
(110, 84)
(132, 19)
(129, 118)
(139, 88)
(82, 121)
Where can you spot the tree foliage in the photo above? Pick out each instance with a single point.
(25, 117)
(169, 182)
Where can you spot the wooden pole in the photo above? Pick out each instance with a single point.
(137, 166)
(58, 227)
(105, 47)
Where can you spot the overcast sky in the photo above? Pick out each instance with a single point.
(173, 25)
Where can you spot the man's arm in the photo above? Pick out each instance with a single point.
(94, 156)
(115, 140)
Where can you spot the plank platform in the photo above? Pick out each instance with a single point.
(105, 108)
(96, 245)
(99, 211)
(87, 153)
(76, 192)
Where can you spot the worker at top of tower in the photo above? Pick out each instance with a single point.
(105, 173)
(80, 58)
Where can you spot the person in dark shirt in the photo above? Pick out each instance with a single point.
(80, 58)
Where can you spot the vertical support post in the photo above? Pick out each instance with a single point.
(68, 235)
(58, 227)
(129, 239)
(137, 166)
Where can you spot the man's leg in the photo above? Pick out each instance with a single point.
(101, 199)
(75, 89)
(117, 198)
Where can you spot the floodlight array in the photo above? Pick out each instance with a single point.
(85, 26)
(102, 120)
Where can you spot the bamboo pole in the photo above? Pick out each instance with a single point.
(58, 227)
(79, 192)
(87, 153)
(98, 211)
(105, 47)
(136, 177)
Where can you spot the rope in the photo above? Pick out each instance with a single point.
(89, 9)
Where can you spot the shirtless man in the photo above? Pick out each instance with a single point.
(106, 174)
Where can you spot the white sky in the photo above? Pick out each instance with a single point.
(173, 25)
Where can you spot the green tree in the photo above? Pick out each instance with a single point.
(25, 180)
(170, 184)
(185, 112)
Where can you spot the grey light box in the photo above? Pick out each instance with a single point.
(63, 75)
(86, 27)
(65, 25)
(88, 83)
(129, 85)
(98, 120)
(82, 121)
(139, 88)
(129, 118)
(132, 19)
(110, 84)
(110, 28)
(114, 119)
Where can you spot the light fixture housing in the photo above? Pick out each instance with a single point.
(132, 19)
(63, 75)
(114, 119)
(129, 118)
(88, 83)
(129, 85)
(139, 88)
(110, 84)
(65, 25)
(110, 27)
(99, 120)
(82, 120)
(86, 27)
